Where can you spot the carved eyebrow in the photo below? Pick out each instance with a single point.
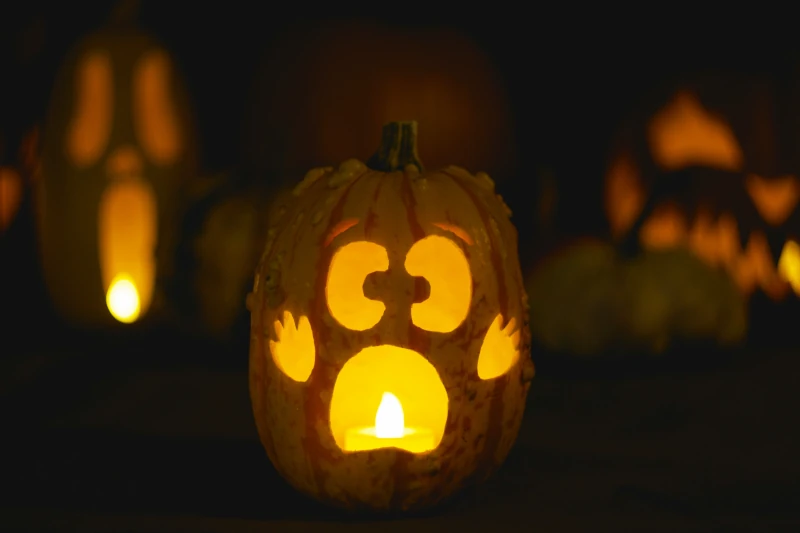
(455, 230)
(340, 228)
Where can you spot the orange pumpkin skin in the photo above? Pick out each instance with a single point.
(483, 416)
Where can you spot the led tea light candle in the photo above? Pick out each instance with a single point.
(389, 431)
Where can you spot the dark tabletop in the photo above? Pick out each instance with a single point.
(126, 437)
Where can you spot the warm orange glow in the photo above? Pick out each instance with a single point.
(383, 390)
(754, 268)
(155, 118)
(123, 299)
(340, 228)
(344, 290)
(90, 128)
(10, 195)
(455, 230)
(665, 228)
(390, 422)
(776, 198)
(499, 349)
(624, 195)
(124, 161)
(444, 265)
(717, 243)
(293, 351)
(127, 221)
(685, 134)
(789, 265)
(389, 431)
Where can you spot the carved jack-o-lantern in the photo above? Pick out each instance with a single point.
(389, 356)
(682, 178)
(117, 147)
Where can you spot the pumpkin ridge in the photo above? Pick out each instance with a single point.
(318, 382)
(492, 438)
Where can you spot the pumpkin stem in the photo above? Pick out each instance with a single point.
(125, 13)
(398, 148)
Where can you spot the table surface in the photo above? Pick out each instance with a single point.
(116, 441)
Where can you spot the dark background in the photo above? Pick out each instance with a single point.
(572, 77)
(151, 431)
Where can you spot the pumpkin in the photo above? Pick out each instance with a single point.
(687, 175)
(591, 301)
(221, 238)
(117, 147)
(389, 355)
(363, 74)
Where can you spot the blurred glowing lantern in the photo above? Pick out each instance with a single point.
(117, 147)
(685, 175)
(365, 74)
(389, 356)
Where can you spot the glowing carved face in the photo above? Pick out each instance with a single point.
(116, 147)
(393, 322)
(682, 134)
(356, 300)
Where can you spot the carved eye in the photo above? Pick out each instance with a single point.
(154, 113)
(775, 199)
(88, 133)
(443, 264)
(344, 290)
(685, 134)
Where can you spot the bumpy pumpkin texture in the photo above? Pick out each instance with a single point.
(298, 393)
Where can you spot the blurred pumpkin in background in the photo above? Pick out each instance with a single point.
(587, 300)
(222, 234)
(711, 165)
(340, 82)
(118, 146)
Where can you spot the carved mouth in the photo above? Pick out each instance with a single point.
(127, 225)
(388, 397)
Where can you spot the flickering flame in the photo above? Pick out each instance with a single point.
(123, 299)
(389, 420)
(789, 264)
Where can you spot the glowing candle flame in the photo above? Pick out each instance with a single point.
(389, 420)
(123, 299)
